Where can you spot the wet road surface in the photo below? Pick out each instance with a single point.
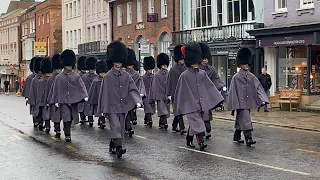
(152, 153)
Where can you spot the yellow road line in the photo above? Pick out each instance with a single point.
(71, 148)
(247, 162)
(309, 151)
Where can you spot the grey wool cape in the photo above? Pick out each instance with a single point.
(81, 105)
(42, 100)
(173, 78)
(245, 93)
(54, 111)
(27, 84)
(138, 81)
(213, 75)
(33, 95)
(159, 94)
(94, 92)
(88, 79)
(68, 91)
(195, 93)
(148, 103)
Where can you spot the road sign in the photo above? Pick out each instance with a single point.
(145, 50)
(40, 48)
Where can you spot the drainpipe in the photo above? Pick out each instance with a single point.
(174, 16)
(111, 5)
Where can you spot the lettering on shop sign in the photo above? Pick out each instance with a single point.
(289, 42)
(292, 72)
(140, 26)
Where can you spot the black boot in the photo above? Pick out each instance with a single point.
(120, 151)
(183, 131)
(58, 134)
(250, 141)
(190, 141)
(248, 137)
(237, 136)
(208, 136)
(130, 132)
(112, 147)
(68, 138)
(40, 127)
(202, 146)
(145, 120)
(200, 140)
(48, 130)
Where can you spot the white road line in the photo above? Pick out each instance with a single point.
(140, 137)
(247, 162)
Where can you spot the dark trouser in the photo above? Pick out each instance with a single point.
(17, 90)
(47, 124)
(208, 126)
(134, 115)
(39, 117)
(6, 89)
(163, 120)
(199, 137)
(148, 117)
(90, 119)
(117, 128)
(66, 127)
(247, 134)
(102, 120)
(129, 118)
(35, 120)
(82, 116)
(178, 120)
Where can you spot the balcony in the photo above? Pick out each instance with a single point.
(215, 34)
(92, 47)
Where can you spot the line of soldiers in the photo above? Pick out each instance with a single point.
(114, 89)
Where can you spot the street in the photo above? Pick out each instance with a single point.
(152, 153)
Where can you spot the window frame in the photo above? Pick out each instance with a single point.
(151, 6)
(139, 11)
(164, 9)
(306, 6)
(253, 16)
(194, 14)
(119, 15)
(42, 18)
(47, 18)
(281, 9)
(129, 13)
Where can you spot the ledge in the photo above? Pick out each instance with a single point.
(305, 10)
(279, 14)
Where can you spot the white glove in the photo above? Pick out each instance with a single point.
(263, 103)
(224, 88)
(139, 105)
(48, 105)
(170, 98)
(56, 104)
(86, 99)
(141, 95)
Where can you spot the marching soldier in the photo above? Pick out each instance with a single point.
(245, 93)
(81, 65)
(195, 94)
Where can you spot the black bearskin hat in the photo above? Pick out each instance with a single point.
(56, 62)
(101, 66)
(68, 58)
(31, 64)
(206, 53)
(244, 56)
(36, 64)
(192, 54)
(162, 59)
(177, 54)
(91, 63)
(117, 52)
(131, 60)
(149, 63)
(46, 66)
(81, 63)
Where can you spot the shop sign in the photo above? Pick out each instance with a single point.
(289, 40)
(140, 26)
(232, 54)
(144, 50)
(292, 72)
(40, 48)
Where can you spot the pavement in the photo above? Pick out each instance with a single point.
(152, 153)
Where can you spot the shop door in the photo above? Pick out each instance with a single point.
(220, 63)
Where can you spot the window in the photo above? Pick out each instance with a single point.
(306, 4)
(119, 15)
(129, 13)
(75, 8)
(67, 11)
(71, 40)
(42, 19)
(94, 33)
(94, 6)
(219, 13)
(89, 34)
(151, 6)
(48, 17)
(201, 13)
(79, 34)
(164, 7)
(79, 7)
(75, 38)
(240, 11)
(99, 6)
(139, 10)
(48, 46)
(39, 21)
(281, 5)
(99, 32)
(70, 10)
(105, 32)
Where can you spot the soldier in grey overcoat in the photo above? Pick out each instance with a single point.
(68, 90)
(118, 95)
(245, 93)
(81, 65)
(33, 94)
(94, 91)
(129, 65)
(88, 79)
(214, 77)
(43, 91)
(148, 103)
(26, 89)
(158, 90)
(173, 77)
(55, 115)
(195, 94)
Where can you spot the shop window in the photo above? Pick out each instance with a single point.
(240, 11)
(201, 13)
(281, 5)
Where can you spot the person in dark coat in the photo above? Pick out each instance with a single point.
(16, 85)
(195, 94)
(88, 79)
(54, 111)
(148, 103)
(265, 80)
(43, 91)
(245, 93)
(214, 77)
(68, 90)
(6, 84)
(129, 65)
(94, 91)
(158, 90)
(33, 94)
(118, 95)
(172, 81)
(81, 65)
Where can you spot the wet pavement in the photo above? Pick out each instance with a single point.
(25, 153)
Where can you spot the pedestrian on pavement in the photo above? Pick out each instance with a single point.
(172, 81)
(81, 65)
(33, 95)
(158, 90)
(129, 65)
(118, 95)
(17, 86)
(88, 78)
(26, 88)
(6, 84)
(265, 80)
(94, 91)
(214, 77)
(148, 103)
(43, 91)
(55, 115)
(245, 93)
(195, 94)
(68, 90)
(21, 85)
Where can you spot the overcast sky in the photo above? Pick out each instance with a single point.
(4, 5)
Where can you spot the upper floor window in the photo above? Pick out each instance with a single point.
(39, 21)
(79, 7)
(70, 10)
(139, 10)
(201, 13)
(75, 8)
(306, 4)
(129, 13)
(164, 8)
(67, 11)
(240, 11)
(119, 15)
(151, 6)
(281, 5)
(48, 17)
(42, 19)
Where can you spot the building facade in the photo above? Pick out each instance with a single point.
(49, 26)
(290, 44)
(223, 25)
(146, 26)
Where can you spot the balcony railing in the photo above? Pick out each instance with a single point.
(214, 34)
(92, 47)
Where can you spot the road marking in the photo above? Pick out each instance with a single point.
(92, 158)
(55, 139)
(22, 123)
(128, 176)
(71, 148)
(15, 137)
(309, 151)
(247, 162)
(140, 137)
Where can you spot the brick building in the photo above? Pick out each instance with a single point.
(130, 24)
(49, 26)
